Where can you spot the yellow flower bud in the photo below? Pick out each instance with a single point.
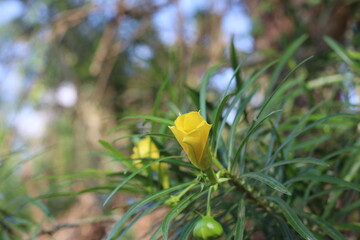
(192, 132)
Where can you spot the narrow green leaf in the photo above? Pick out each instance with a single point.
(143, 202)
(289, 52)
(271, 182)
(239, 112)
(269, 99)
(255, 125)
(144, 135)
(292, 218)
(325, 192)
(294, 134)
(194, 96)
(240, 222)
(238, 97)
(287, 233)
(159, 96)
(203, 85)
(235, 64)
(180, 163)
(147, 210)
(306, 160)
(219, 112)
(326, 227)
(112, 149)
(308, 145)
(180, 206)
(156, 233)
(346, 209)
(339, 152)
(29, 200)
(151, 118)
(325, 80)
(222, 124)
(340, 51)
(189, 226)
(347, 226)
(124, 181)
(326, 179)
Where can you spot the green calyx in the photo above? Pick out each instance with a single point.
(207, 228)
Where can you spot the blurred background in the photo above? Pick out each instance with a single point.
(70, 69)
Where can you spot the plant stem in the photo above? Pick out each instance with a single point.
(217, 163)
(186, 190)
(208, 207)
(211, 175)
(260, 202)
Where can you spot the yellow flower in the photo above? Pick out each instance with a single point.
(145, 148)
(192, 132)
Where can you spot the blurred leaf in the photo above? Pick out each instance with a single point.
(194, 96)
(265, 105)
(325, 80)
(176, 210)
(124, 181)
(255, 124)
(235, 64)
(156, 233)
(295, 161)
(295, 133)
(151, 118)
(162, 135)
(147, 210)
(113, 150)
(326, 179)
(189, 226)
(326, 227)
(346, 209)
(347, 226)
(159, 96)
(240, 222)
(285, 230)
(141, 203)
(292, 218)
(284, 59)
(271, 182)
(239, 111)
(341, 52)
(204, 83)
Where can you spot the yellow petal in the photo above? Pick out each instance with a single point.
(179, 135)
(197, 139)
(189, 121)
(191, 151)
(145, 148)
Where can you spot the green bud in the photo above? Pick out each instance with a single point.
(172, 201)
(208, 228)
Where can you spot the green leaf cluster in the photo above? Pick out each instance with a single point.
(287, 163)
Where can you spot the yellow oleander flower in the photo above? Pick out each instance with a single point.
(192, 132)
(145, 148)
